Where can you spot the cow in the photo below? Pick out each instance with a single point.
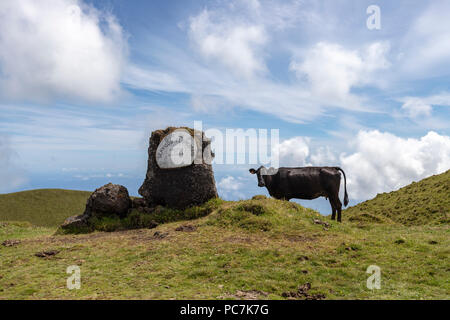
(304, 183)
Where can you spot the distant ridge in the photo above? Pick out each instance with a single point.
(424, 202)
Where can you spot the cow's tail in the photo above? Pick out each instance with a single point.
(345, 187)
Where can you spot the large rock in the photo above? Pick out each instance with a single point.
(109, 200)
(76, 222)
(173, 178)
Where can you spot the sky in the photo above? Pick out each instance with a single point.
(83, 83)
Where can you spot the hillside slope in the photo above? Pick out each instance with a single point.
(42, 207)
(420, 203)
(260, 248)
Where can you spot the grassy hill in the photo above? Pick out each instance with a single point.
(261, 248)
(42, 207)
(420, 203)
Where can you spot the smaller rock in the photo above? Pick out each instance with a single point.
(75, 222)
(302, 258)
(186, 228)
(325, 224)
(138, 203)
(109, 200)
(46, 254)
(303, 289)
(10, 243)
(142, 206)
(303, 293)
(250, 294)
(160, 235)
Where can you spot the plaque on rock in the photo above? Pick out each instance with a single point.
(177, 150)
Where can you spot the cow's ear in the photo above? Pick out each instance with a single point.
(252, 171)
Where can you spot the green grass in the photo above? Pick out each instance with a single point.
(138, 220)
(420, 203)
(42, 207)
(266, 245)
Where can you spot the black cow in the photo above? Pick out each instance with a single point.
(304, 183)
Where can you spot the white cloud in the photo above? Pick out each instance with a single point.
(323, 156)
(230, 187)
(236, 34)
(59, 50)
(229, 183)
(426, 46)
(236, 45)
(154, 80)
(383, 162)
(208, 103)
(11, 176)
(415, 107)
(241, 45)
(332, 70)
(86, 177)
(293, 152)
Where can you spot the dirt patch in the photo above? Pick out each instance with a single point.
(325, 224)
(302, 258)
(186, 228)
(303, 293)
(299, 238)
(160, 235)
(10, 243)
(238, 239)
(135, 234)
(246, 295)
(47, 253)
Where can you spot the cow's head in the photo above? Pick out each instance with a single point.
(260, 172)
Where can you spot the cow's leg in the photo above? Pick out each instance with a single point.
(333, 210)
(337, 206)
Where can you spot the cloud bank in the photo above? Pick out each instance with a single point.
(59, 50)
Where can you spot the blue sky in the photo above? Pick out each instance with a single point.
(83, 84)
